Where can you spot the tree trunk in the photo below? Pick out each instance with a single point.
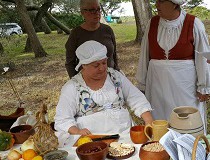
(1, 49)
(44, 26)
(143, 13)
(35, 43)
(41, 13)
(52, 19)
(59, 31)
(57, 23)
(28, 47)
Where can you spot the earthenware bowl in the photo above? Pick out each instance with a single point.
(146, 155)
(7, 121)
(92, 151)
(22, 133)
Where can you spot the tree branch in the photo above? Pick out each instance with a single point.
(12, 1)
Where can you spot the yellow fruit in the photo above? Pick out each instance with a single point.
(29, 154)
(38, 158)
(83, 140)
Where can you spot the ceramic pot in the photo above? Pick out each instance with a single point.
(186, 119)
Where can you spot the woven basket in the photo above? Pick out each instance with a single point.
(196, 143)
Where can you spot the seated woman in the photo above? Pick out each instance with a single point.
(93, 101)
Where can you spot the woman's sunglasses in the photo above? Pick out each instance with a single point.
(93, 11)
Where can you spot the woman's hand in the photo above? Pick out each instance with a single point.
(203, 97)
(75, 130)
(147, 117)
(84, 132)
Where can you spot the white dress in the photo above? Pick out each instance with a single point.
(108, 120)
(172, 83)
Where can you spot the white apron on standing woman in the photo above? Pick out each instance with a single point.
(172, 83)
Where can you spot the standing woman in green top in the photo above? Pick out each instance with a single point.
(91, 29)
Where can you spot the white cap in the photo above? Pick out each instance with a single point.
(179, 2)
(89, 52)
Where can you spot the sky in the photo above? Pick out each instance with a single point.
(207, 3)
(128, 8)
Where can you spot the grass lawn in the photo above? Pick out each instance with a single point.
(39, 80)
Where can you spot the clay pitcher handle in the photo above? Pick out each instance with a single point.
(148, 126)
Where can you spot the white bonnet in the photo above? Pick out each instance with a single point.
(90, 51)
(179, 2)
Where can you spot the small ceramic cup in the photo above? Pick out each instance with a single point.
(137, 134)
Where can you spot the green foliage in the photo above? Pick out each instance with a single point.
(9, 16)
(200, 12)
(70, 20)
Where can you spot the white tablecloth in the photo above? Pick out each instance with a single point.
(72, 150)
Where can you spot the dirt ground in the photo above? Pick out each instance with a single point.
(39, 81)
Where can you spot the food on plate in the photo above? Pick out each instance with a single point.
(14, 155)
(29, 154)
(83, 140)
(28, 144)
(6, 140)
(120, 149)
(153, 147)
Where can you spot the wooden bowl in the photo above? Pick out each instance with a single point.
(137, 134)
(21, 133)
(146, 155)
(7, 121)
(90, 151)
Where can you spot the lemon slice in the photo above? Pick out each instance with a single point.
(83, 140)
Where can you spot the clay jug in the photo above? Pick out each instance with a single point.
(186, 119)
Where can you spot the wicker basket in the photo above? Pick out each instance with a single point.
(196, 143)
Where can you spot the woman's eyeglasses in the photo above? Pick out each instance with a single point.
(93, 11)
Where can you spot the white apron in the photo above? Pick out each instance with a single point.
(172, 83)
(108, 121)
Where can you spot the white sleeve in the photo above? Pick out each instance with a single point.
(141, 73)
(66, 108)
(201, 44)
(133, 97)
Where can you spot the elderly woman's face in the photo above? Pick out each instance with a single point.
(92, 12)
(165, 8)
(96, 70)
